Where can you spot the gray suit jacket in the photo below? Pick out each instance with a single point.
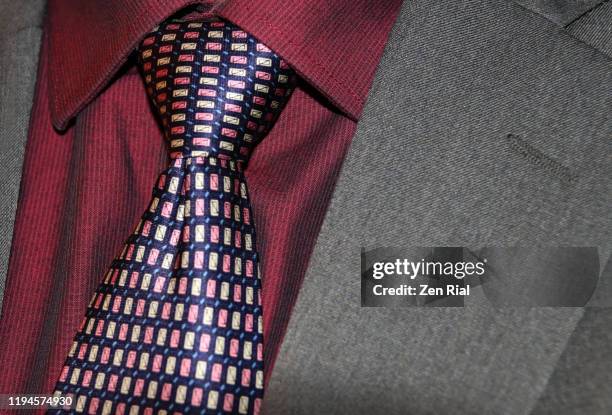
(20, 35)
(434, 163)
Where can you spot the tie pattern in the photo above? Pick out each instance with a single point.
(176, 325)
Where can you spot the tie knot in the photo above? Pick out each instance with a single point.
(217, 90)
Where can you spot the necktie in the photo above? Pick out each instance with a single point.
(176, 324)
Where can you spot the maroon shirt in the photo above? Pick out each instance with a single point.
(95, 149)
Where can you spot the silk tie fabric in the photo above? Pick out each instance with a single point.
(176, 325)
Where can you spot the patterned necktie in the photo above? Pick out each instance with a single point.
(176, 324)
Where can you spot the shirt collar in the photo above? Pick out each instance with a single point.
(334, 45)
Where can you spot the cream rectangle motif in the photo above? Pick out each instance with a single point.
(237, 72)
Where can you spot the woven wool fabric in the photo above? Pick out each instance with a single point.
(177, 323)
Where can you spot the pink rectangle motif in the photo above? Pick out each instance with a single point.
(226, 263)
(210, 69)
(153, 256)
(222, 319)
(148, 337)
(238, 239)
(82, 350)
(116, 304)
(199, 207)
(203, 116)
(204, 92)
(201, 141)
(196, 397)
(185, 367)
(182, 289)
(248, 322)
(192, 316)
(99, 299)
(86, 378)
(93, 406)
(177, 130)
(246, 377)
(146, 227)
(215, 374)
(99, 328)
(159, 284)
(131, 358)
(263, 75)
(133, 279)
(238, 59)
(214, 234)
(138, 387)
(165, 315)
(140, 305)
(105, 355)
(166, 391)
(214, 182)
(175, 338)
(234, 346)
(64, 374)
(112, 382)
(204, 342)
(228, 132)
(237, 293)
(115, 276)
(129, 253)
(213, 46)
(167, 209)
(228, 402)
(198, 260)
(211, 287)
(232, 107)
(174, 237)
(157, 363)
(123, 332)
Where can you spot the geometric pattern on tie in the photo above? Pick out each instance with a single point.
(176, 324)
